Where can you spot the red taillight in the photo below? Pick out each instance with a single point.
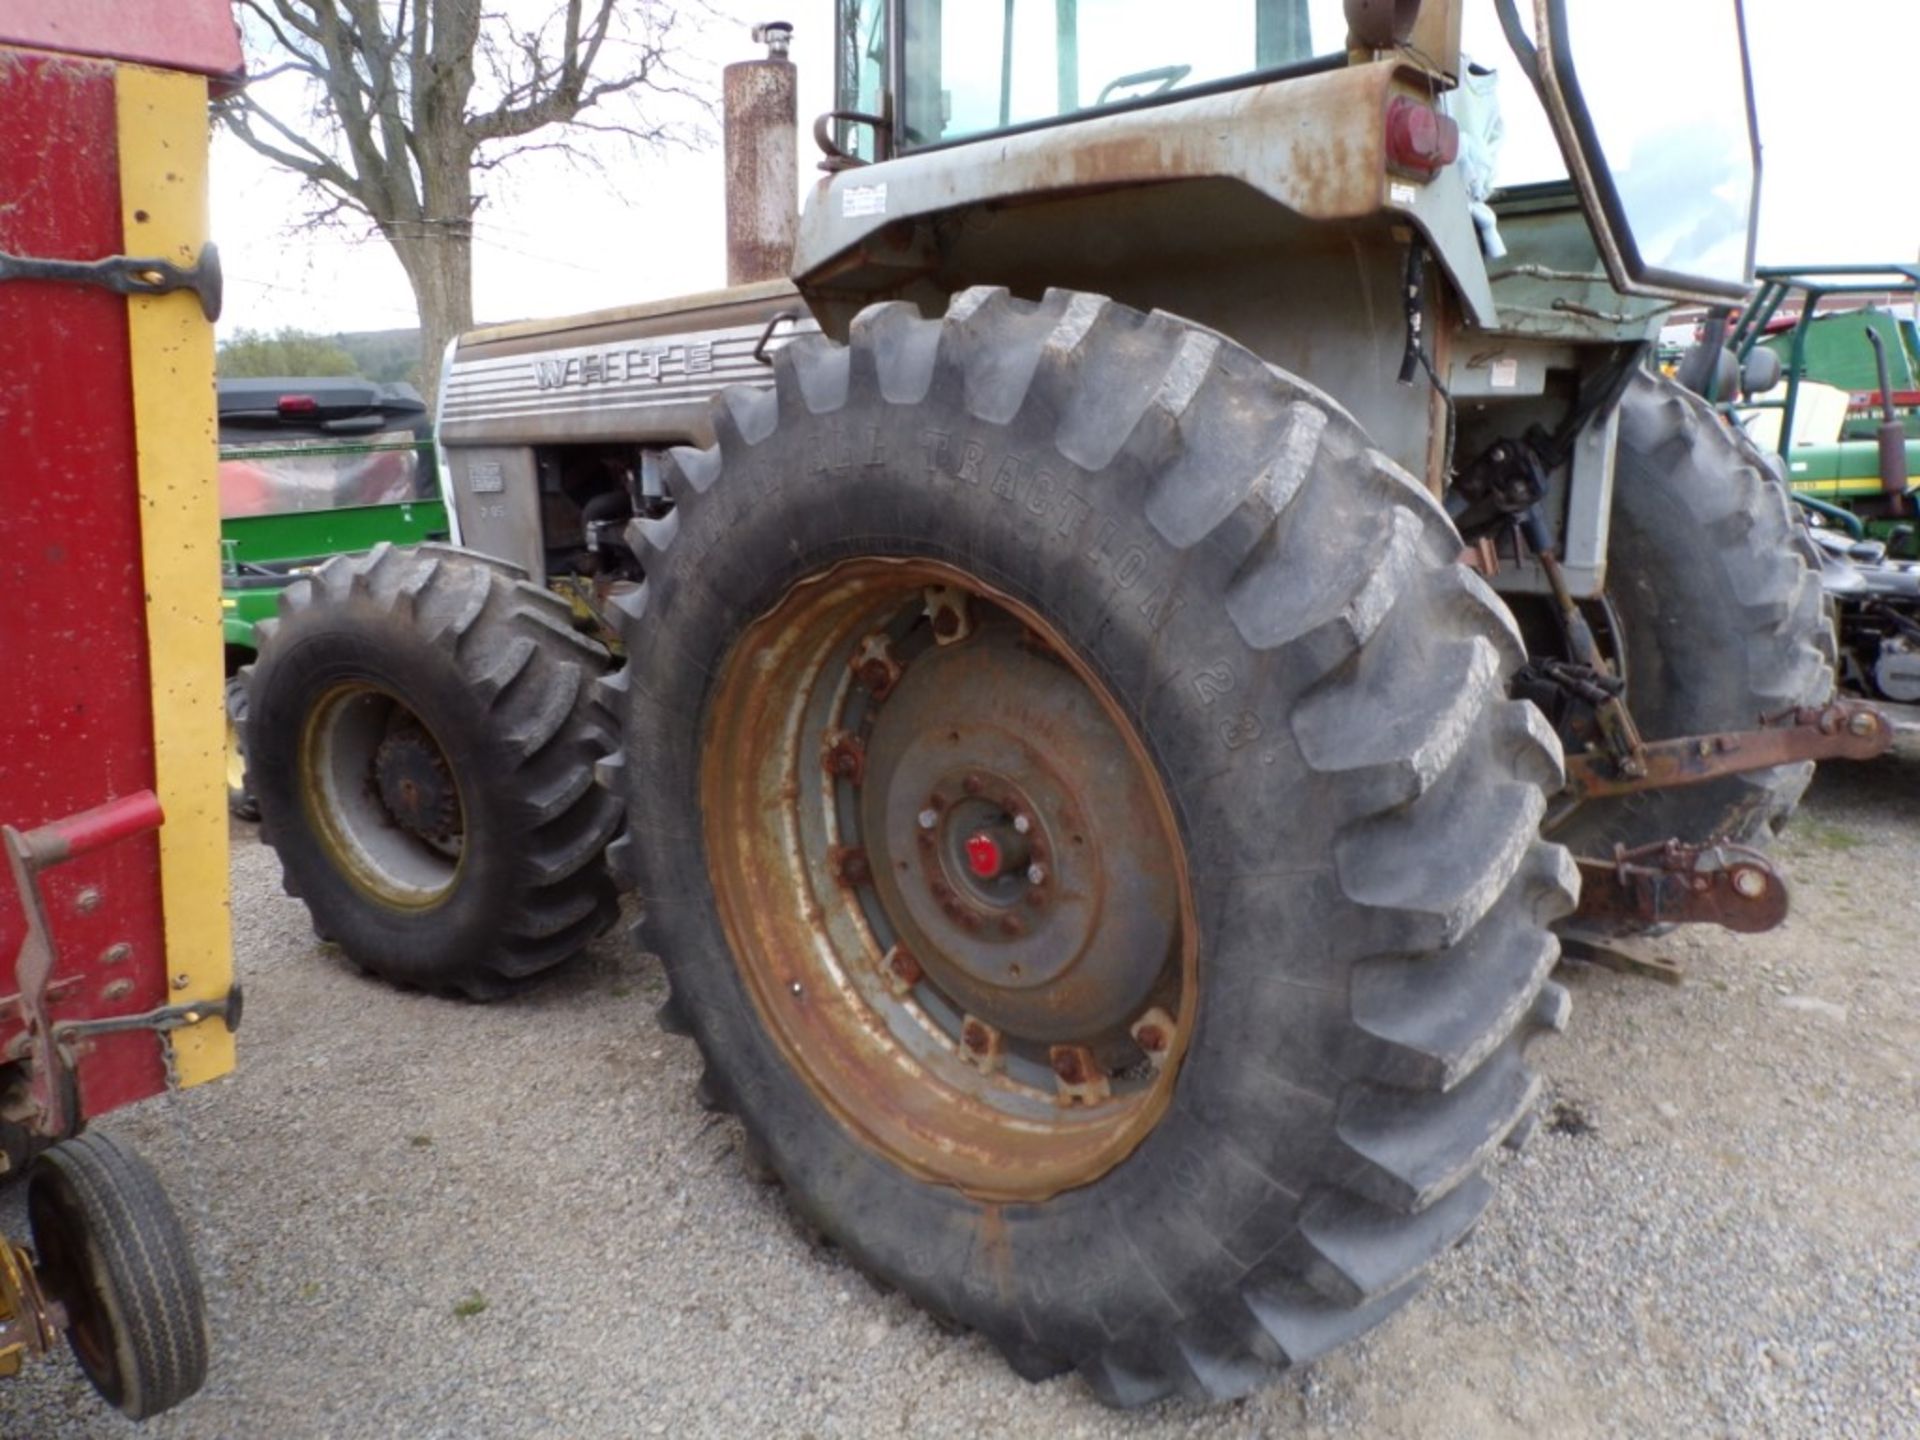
(298, 405)
(1420, 140)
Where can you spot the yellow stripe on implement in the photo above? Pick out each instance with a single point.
(163, 204)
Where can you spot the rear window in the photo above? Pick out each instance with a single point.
(972, 69)
(275, 475)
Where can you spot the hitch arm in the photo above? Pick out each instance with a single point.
(1668, 883)
(1844, 730)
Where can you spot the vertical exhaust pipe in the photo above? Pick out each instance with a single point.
(1893, 434)
(762, 149)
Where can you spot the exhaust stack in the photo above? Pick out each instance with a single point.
(762, 150)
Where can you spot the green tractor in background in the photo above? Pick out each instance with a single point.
(310, 467)
(1842, 420)
(1845, 415)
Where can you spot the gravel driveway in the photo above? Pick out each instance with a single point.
(421, 1219)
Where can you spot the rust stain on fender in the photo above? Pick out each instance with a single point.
(1314, 144)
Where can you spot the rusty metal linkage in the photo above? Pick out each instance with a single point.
(1669, 883)
(28, 853)
(1843, 730)
(30, 1322)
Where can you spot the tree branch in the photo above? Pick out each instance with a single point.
(395, 131)
(306, 159)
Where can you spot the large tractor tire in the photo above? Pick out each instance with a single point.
(1720, 618)
(1088, 837)
(422, 734)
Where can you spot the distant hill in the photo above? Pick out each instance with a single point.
(372, 354)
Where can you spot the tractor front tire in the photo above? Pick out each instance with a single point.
(240, 802)
(1720, 615)
(1088, 836)
(421, 737)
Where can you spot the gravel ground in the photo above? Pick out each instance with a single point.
(425, 1219)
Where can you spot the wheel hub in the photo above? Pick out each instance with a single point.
(416, 785)
(381, 796)
(951, 877)
(996, 850)
(1039, 899)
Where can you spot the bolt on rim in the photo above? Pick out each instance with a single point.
(951, 876)
(384, 803)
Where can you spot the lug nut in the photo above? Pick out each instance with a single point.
(980, 1045)
(1022, 824)
(845, 756)
(902, 969)
(849, 864)
(929, 818)
(1154, 1033)
(1036, 874)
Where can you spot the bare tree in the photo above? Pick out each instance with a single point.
(406, 101)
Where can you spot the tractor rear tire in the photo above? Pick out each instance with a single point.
(422, 736)
(1723, 619)
(1134, 531)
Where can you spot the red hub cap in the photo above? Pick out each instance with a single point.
(983, 855)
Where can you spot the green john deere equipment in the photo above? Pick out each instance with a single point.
(1840, 421)
(310, 468)
(1844, 417)
(1145, 616)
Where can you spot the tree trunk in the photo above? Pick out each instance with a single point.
(439, 265)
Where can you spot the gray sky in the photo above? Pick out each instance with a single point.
(1836, 84)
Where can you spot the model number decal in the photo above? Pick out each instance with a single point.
(861, 200)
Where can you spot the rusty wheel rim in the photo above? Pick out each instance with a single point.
(236, 759)
(71, 1274)
(382, 797)
(951, 877)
